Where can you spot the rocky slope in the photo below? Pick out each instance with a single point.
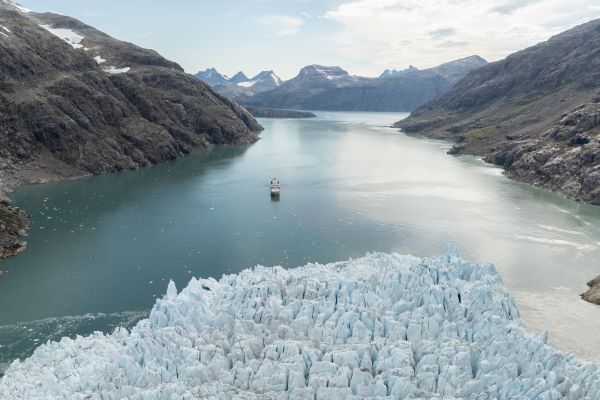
(331, 88)
(75, 101)
(536, 113)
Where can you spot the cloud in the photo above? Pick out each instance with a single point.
(442, 32)
(282, 25)
(395, 33)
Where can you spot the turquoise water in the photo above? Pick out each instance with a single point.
(101, 249)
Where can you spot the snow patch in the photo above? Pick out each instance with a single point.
(69, 36)
(5, 28)
(275, 79)
(99, 59)
(115, 70)
(247, 84)
(382, 326)
(327, 74)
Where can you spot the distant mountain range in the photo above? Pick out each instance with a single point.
(391, 73)
(318, 87)
(239, 85)
(536, 113)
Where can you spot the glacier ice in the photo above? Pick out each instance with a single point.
(382, 326)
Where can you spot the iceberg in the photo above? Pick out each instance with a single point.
(385, 326)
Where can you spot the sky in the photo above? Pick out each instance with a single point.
(364, 37)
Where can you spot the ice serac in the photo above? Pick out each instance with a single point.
(382, 326)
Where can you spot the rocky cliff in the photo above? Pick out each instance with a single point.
(75, 101)
(536, 113)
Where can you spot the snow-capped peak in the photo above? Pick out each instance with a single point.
(268, 76)
(239, 77)
(330, 73)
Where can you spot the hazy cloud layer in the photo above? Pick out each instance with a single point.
(282, 25)
(429, 32)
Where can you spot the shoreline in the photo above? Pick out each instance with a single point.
(460, 149)
(15, 222)
(14, 225)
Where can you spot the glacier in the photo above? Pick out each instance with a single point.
(385, 326)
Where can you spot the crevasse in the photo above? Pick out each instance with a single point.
(382, 326)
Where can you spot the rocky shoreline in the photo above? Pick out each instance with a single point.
(564, 159)
(275, 113)
(14, 224)
(593, 293)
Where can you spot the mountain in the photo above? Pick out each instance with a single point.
(240, 86)
(264, 81)
(212, 77)
(75, 101)
(239, 78)
(455, 70)
(331, 88)
(297, 92)
(535, 113)
(394, 72)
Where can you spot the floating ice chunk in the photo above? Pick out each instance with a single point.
(69, 36)
(115, 70)
(382, 326)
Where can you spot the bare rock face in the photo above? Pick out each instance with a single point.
(593, 293)
(536, 113)
(565, 159)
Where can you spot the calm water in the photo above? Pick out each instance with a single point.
(103, 248)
